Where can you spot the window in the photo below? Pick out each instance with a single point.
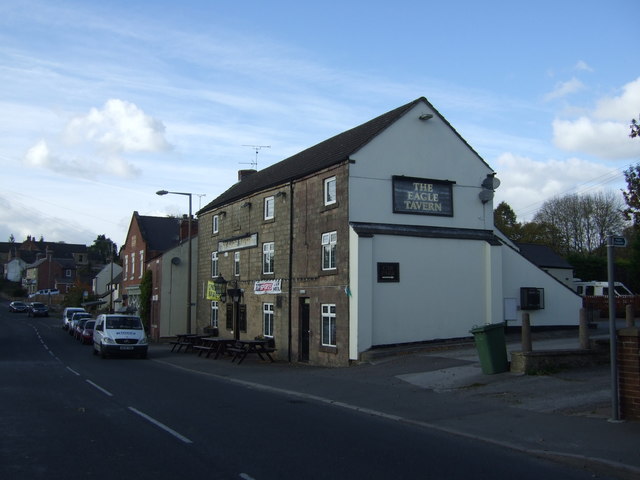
(133, 266)
(329, 241)
(214, 264)
(330, 191)
(141, 263)
(268, 253)
(267, 319)
(236, 264)
(126, 266)
(215, 224)
(269, 206)
(214, 314)
(329, 325)
(67, 273)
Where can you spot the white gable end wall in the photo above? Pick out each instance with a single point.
(562, 305)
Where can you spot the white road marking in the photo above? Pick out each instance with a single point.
(106, 392)
(73, 371)
(182, 438)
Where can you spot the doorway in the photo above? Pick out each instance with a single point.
(303, 328)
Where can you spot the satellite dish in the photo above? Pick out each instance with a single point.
(486, 195)
(491, 182)
(175, 260)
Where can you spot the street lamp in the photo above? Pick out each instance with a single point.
(165, 192)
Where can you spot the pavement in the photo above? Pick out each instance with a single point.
(564, 416)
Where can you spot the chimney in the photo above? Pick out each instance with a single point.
(242, 174)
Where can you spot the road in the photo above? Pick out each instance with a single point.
(69, 414)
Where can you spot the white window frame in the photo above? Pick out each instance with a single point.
(267, 319)
(214, 265)
(329, 246)
(328, 326)
(133, 266)
(215, 224)
(236, 264)
(268, 256)
(215, 311)
(329, 190)
(141, 263)
(269, 208)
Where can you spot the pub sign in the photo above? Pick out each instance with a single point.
(422, 196)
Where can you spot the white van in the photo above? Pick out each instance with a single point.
(119, 334)
(67, 313)
(598, 289)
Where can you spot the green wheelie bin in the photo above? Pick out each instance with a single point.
(492, 347)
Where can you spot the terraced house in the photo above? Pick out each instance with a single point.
(381, 235)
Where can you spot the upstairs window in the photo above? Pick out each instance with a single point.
(269, 208)
(330, 191)
(268, 254)
(215, 225)
(214, 264)
(329, 242)
(236, 264)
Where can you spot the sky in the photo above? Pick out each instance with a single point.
(104, 103)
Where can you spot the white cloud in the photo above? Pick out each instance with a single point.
(563, 89)
(119, 126)
(95, 143)
(623, 107)
(583, 66)
(603, 132)
(528, 183)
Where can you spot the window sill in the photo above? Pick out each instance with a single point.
(328, 349)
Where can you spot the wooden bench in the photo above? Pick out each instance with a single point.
(241, 350)
(177, 346)
(202, 348)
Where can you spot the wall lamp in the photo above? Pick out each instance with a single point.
(223, 213)
(245, 205)
(425, 116)
(281, 194)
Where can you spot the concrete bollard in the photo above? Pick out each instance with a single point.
(583, 333)
(630, 316)
(526, 333)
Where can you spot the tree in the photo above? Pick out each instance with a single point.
(504, 219)
(104, 249)
(635, 128)
(146, 292)
(632, 194)
(581, 223)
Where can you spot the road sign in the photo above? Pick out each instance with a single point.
(618, 241)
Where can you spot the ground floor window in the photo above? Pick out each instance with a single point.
(214, 314)
(329, 325)
(267, 319)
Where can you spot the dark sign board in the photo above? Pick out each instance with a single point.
(388, 272)
(422, 196)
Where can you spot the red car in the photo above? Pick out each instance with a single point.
(86, 337)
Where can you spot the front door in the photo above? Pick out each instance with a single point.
(303, 326)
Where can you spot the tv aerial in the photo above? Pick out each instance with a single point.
(257, 148)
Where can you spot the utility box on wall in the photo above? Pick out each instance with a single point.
(531, 298)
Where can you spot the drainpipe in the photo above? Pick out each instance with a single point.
(290, 266)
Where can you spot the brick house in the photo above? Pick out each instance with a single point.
(147, 238)
(381, 235)
(159, 245)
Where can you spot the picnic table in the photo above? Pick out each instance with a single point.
(186, 340)
(213, 345)
(242, 348)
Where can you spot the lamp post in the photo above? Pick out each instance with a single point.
(165, 192)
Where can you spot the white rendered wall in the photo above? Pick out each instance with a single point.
(562, 305)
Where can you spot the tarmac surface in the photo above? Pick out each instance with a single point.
(565, 415)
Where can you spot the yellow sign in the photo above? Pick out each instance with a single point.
(211, 292)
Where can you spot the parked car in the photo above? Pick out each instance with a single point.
(119, 334)
(75, 318)
(67, 313)
(38, 309)
(86, 337)
(77, 331)
(18, 307)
